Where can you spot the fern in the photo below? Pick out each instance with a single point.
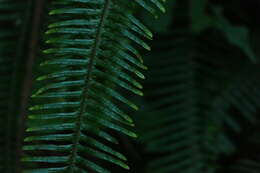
(188, 131)
(90, 55)
(201, 94)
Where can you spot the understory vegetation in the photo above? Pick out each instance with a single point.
(141, 86)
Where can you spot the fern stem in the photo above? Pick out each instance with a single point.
(84, 95)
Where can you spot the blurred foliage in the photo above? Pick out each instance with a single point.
(200, 110)
(201, 103)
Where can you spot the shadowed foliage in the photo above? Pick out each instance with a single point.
(72, 75)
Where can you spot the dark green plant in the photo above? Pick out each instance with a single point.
(69, 69)
(201, 95)
(89, 55)
(198, 102)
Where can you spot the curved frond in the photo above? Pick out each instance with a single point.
(77, 108)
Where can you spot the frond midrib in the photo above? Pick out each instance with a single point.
(84, 96)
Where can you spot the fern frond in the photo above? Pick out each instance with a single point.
(90, 54)
(186, 129)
